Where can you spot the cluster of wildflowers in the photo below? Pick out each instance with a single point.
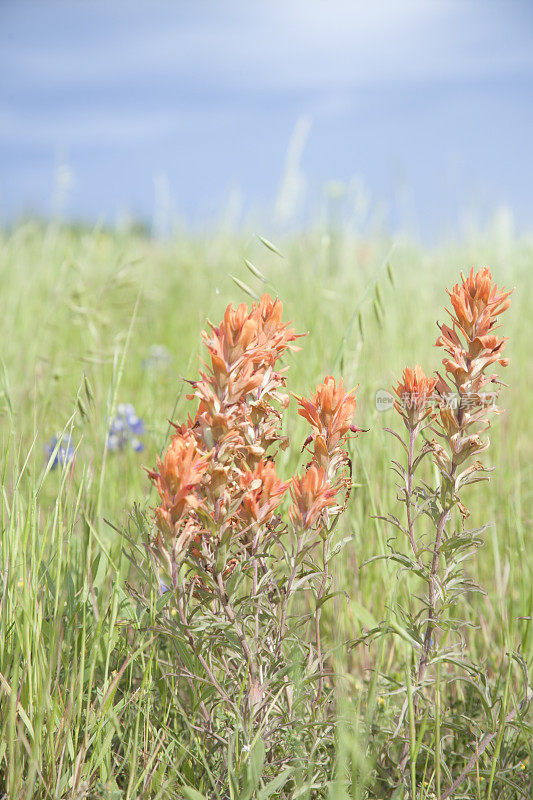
(455, 407)
(65, 451)
(220, 492)
(125, 429)
(217, 481)
(472, 347)
(219, 518)
(315, 493)
(226, 560)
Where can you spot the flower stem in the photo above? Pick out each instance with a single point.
(285, 608)
(223, 597)
(223, 694)
(413, 433)
(432, 580)
(431, 623)
(320, 595)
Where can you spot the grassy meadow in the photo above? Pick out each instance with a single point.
(89, 706)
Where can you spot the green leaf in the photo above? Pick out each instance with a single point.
(82, 408)
(89, 393)
(163, 600)
(234, 789)
(275, 784)
(255, 769)
(326, 597)
(192, 794)
(361, 326)
(404, 634)
(257, 759)
(362, 614)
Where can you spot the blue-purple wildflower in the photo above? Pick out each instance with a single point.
(158, 358)
(125, 429)
(65, 451)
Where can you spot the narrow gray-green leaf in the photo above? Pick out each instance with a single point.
(275, 784)
(192, 794)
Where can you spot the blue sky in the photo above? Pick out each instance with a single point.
(209, 110)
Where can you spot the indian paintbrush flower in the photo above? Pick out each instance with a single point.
(414, 391)
(330, 413)
(263, 491)
(312, 494)
(240, 396)
(472, 346)
(456, 406)
(477, 303)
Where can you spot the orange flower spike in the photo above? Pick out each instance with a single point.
(242, 347)
(273, 336)
(232, 337)
(329, 412)
(263, 492)
(414, 391)
(179, 473)
(477, 302)
(270, 312)
(311, 494)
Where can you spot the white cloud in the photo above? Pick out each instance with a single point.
(102, 126)
(320, 51)
(211, 88)
(270, 45)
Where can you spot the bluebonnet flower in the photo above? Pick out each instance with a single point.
(65, 451)
(158, 358)
(125, 428)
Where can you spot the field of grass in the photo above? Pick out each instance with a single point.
(88, 703)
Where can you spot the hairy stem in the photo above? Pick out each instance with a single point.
(200, 657)
(285, 607)
(320, 595)
(254, 594)
(230, 614)
(482, 745)
(413, 432)
(432, 580)
(431, 623)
